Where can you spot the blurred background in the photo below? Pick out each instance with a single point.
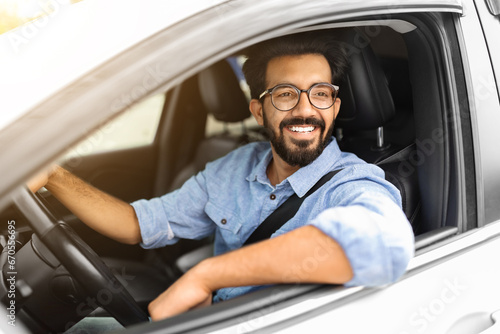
(14, 13)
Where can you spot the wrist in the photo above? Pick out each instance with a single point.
(53, 176)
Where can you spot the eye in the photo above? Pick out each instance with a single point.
(284, 93)
(322, 92)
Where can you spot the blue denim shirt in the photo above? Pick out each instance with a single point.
(358, 208)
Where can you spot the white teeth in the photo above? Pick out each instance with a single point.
(302, 129)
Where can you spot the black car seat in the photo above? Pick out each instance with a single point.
(224, 99)
(367, 103)
(367, 106)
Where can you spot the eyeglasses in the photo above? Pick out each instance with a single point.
(285, 97)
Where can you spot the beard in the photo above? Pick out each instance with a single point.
(298, 152)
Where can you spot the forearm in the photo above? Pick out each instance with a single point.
(100, 211)
(305, 255)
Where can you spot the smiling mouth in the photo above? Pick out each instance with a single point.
(301, 129)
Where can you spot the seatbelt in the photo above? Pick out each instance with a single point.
(284, 212)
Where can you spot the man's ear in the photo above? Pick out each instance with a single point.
(256, 110)
(336, 107)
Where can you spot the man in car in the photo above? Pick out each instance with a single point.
(351, 231)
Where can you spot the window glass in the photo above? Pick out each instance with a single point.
(136, 127)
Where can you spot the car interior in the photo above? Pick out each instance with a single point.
(395, 110)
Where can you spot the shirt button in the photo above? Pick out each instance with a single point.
(272, 197)
(223, 221)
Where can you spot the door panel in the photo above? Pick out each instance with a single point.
(451, 289)
(439, 298)
(127, 174)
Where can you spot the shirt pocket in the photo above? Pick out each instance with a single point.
(225, 220)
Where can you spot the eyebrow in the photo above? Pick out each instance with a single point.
(292, 84)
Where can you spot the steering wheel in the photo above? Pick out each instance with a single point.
(80, 260)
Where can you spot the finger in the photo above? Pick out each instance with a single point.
(41, 179)
(37, 182)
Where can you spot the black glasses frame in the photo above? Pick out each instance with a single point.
(299, 93)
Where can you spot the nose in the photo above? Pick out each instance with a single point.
(304, 108)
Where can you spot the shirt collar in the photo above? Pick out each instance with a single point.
(306, 177)
(259, 171)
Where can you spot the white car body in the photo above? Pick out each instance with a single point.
(84, 64)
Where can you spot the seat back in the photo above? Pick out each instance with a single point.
(367, 103)
(221, 93)
(401, 171)
(223, 98)
(367, 106)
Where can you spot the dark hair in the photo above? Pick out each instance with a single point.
(313, 42)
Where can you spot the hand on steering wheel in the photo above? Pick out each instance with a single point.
(80, 260)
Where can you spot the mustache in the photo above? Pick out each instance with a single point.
(302, 121)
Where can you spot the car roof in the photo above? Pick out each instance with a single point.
(43, 56)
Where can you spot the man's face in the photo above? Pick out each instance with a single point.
(297, 136)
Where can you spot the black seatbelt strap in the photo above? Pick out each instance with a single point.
(284, 212)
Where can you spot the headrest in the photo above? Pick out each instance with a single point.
(221, 93)
(366, 100)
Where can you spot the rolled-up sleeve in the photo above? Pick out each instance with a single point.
(179, 214)
(374, 234)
